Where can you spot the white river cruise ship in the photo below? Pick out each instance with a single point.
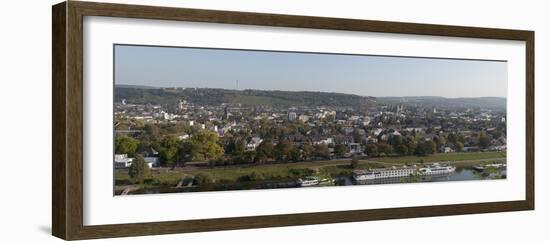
(405, 171)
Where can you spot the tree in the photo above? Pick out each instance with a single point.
(249, 157)
(322, 151)
(430, 147)
(295, 154)
(459, 146)
(168, 149)
(229, 145)
(152, 130)
(439, 140)
(239, 146)
(238, 151)
(402, 149)
(452, 138)
(460, 138)
(396, 140)
(425, 148)
(356, 136)
(138, 170)
(384, 148)
(264, 151)
(126, 145)
(283, 149)
(372, 150)
(340, 150)
(484, 140)
(411, 146)
(307, 151)
(203, 146)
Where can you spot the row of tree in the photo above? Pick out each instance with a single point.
(202, 146)
(205, 145)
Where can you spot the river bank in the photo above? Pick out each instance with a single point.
(461, 174)
(254, 177)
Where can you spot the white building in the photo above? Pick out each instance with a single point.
(395, 133)
(415, 129)
(320, 115)
(371, 139)
(326, 141)
(303, 118)
(182, 104)
(253, 143)
(446, 149)
(123, 161)
(183, 137)
(498, 148)
(291, 116)
(152, 161)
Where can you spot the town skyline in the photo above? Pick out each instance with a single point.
(401, 96)
(363, 75)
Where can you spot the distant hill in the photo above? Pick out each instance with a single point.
(207, 96)
(136, 86)
(286, 99)
(495, 103)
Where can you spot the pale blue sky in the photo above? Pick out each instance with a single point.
(265, 70)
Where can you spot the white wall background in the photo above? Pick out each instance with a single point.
(25, 119)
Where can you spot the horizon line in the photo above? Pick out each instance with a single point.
(384, 96)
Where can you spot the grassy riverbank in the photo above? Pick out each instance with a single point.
(443, 157)
(285, 171)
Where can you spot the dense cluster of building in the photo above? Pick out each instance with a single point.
(391, 128)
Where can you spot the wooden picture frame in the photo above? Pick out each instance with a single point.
(67, 124)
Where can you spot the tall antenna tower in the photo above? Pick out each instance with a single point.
(237, 84)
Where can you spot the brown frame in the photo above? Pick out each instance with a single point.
(67, 123)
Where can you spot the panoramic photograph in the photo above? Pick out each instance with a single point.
(203, 119)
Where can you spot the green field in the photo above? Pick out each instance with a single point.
(167, 177)
(443, 157)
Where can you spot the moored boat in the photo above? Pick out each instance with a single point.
(481, 168)
(308, 181)
(436, 169)
(405, 171)
(394, 172)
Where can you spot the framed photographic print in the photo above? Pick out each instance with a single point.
(171, 120)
